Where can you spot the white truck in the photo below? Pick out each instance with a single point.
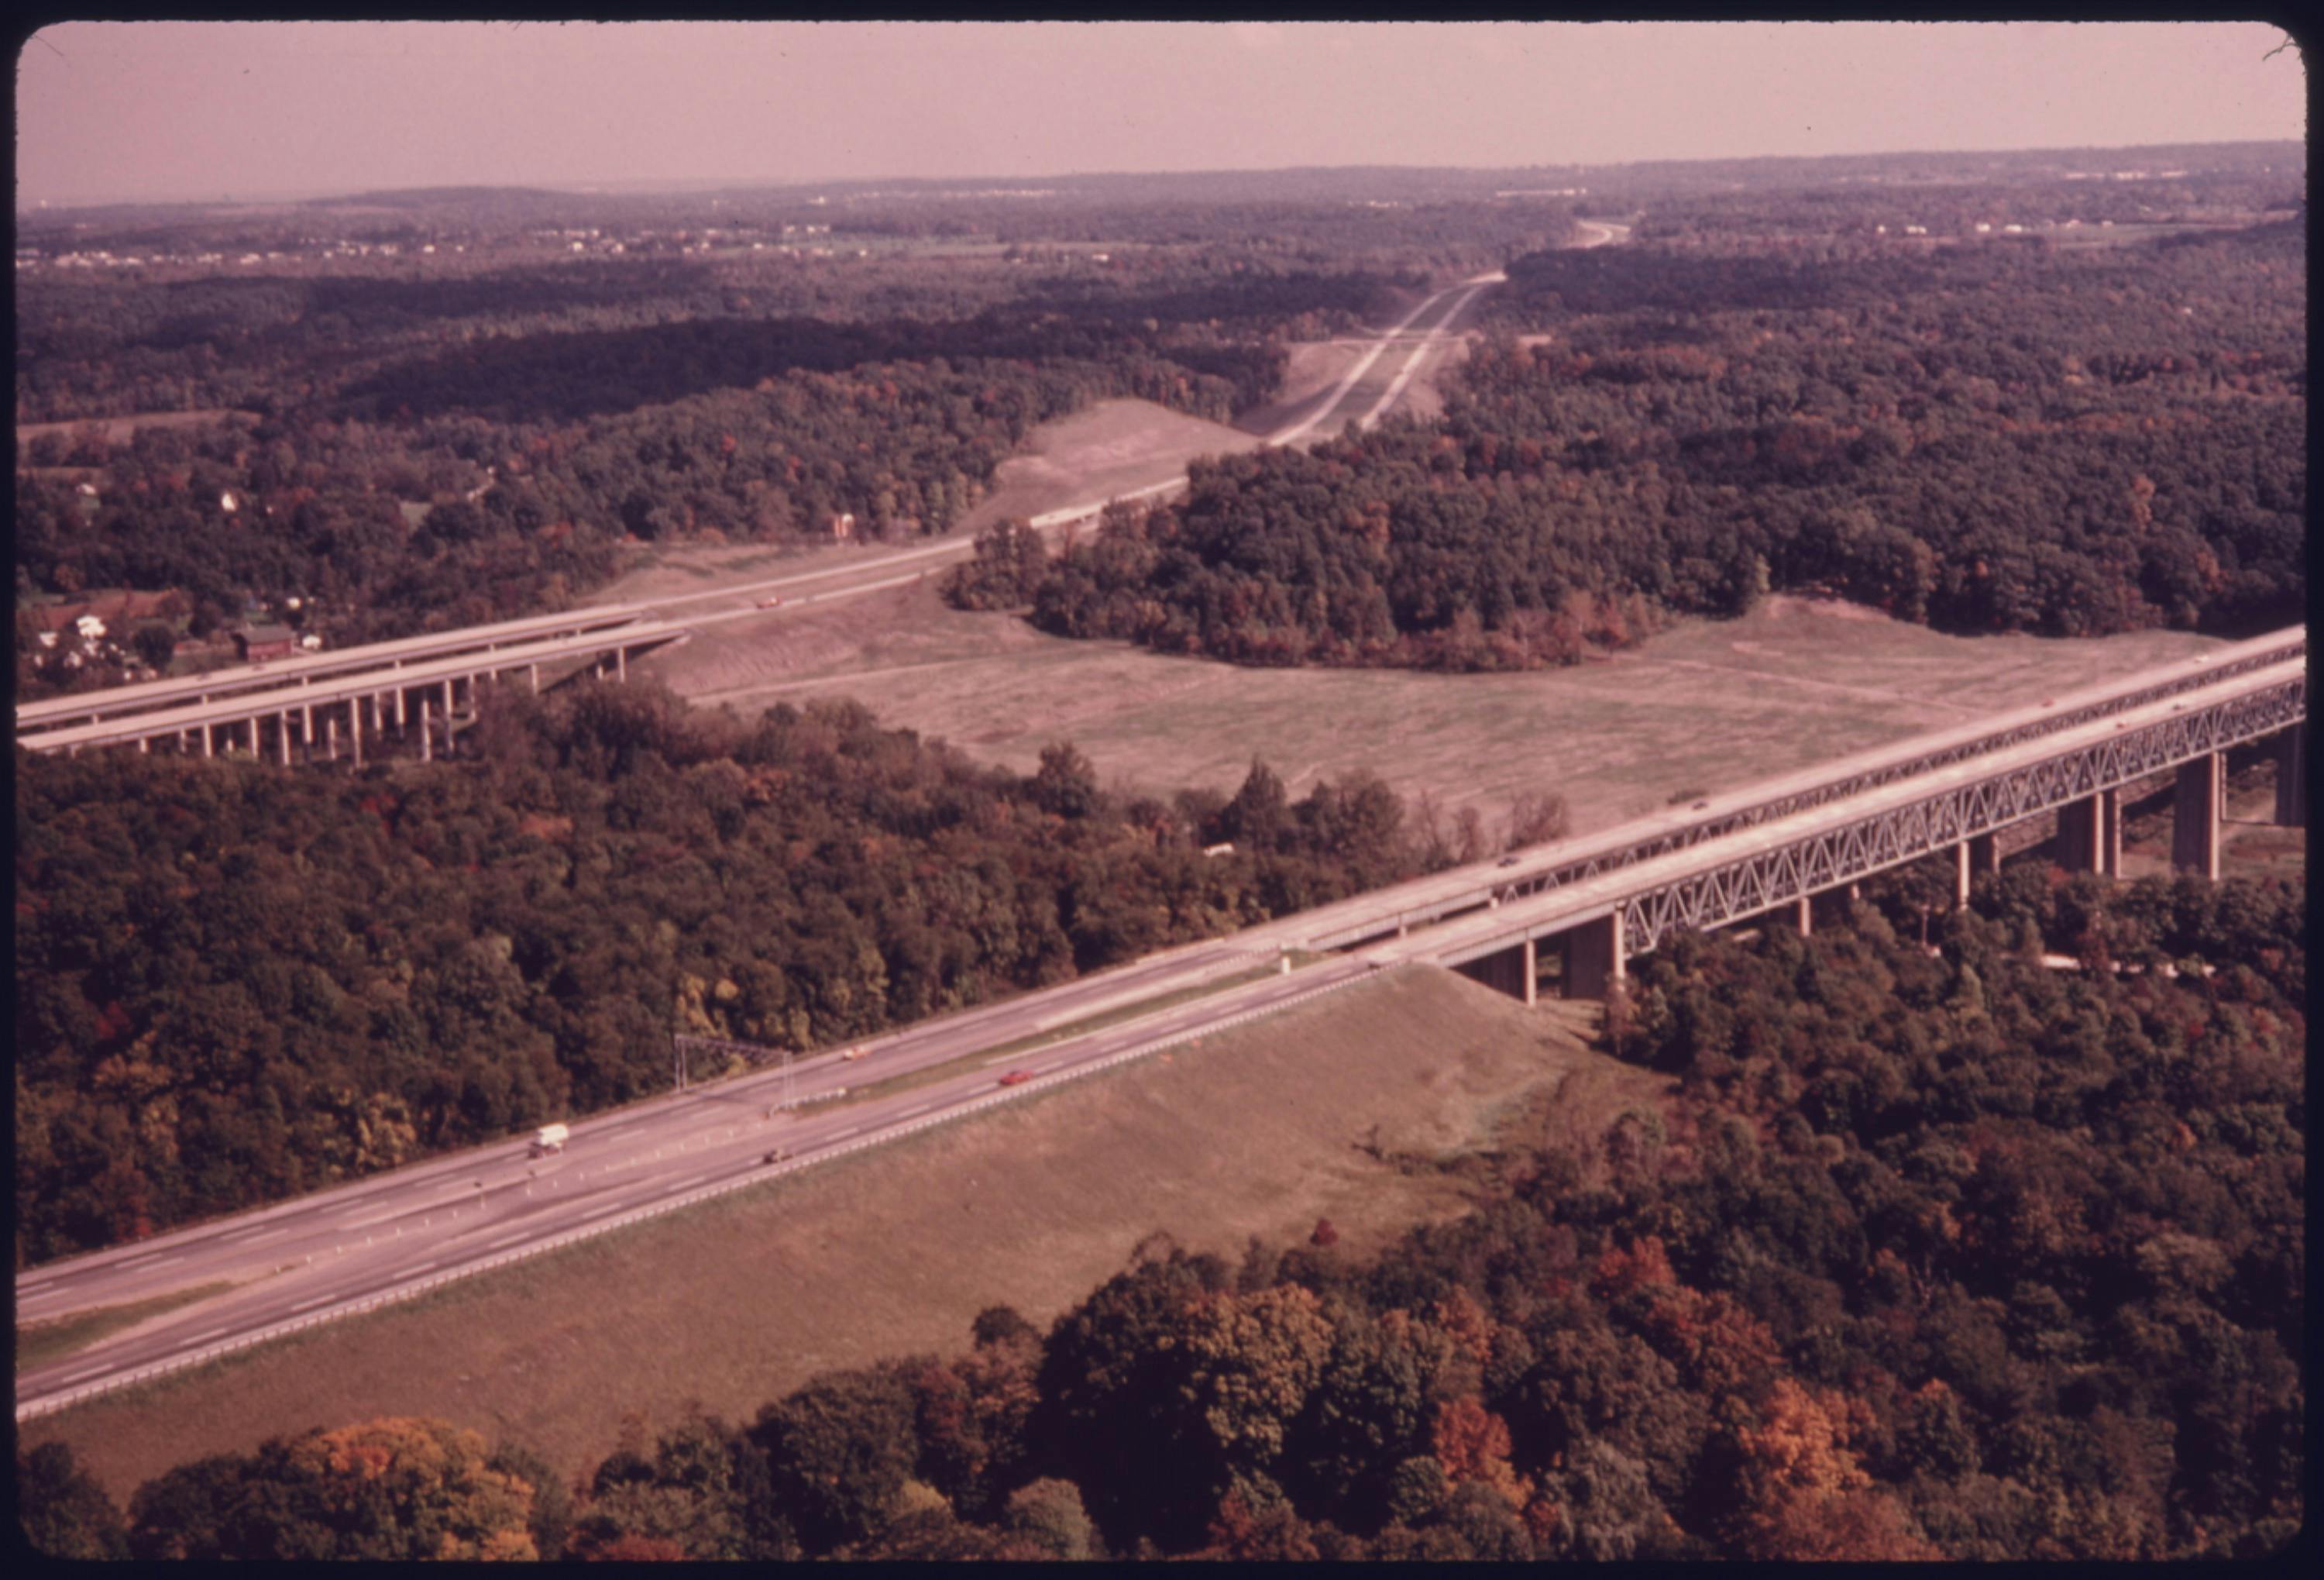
(550, 1138)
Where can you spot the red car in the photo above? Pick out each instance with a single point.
(1015, 1078)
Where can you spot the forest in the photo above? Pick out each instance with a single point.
(1983, 438)
(236, 984)
(1935, 1252)
(402, 451)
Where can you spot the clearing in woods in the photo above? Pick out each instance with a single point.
(117, 429)
(1378, 1107)
(1704, 706)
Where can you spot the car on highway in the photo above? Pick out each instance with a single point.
(777, 1155)
(1698, 806)
(1016, 1078)
(1507, 861)
(856, 1052)
(770, 602)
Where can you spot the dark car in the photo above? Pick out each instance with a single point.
(777, 1156)
(1507, 861)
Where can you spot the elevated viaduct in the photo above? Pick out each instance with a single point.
(1771, 847)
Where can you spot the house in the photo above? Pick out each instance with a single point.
(256, 643)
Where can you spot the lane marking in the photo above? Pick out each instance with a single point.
(255, 1235)
(317, 1301)
(843, 1134)
(611, 1206)
(203, 1338)
(507, 1239)
(123, 1267)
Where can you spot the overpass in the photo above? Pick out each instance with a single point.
(1643, 886)
(414, 694)
(361, 1245)
(34, 718)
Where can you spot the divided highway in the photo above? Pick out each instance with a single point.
(398, 1233)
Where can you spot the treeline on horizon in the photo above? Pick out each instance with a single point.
(1934, 1252)
(236, 984)
(1983, 437)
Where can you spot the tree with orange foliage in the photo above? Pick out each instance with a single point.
(1472, 1445)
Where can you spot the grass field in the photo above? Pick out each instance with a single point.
(1706, 704)
(1338, 1108)
(42, 1342)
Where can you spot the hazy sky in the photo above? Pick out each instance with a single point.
(203, 110)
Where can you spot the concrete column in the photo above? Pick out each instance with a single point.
(2081, 843)
(426, 751)
(2291, 778)
(355, 732)
(1594, 958)
(2110, 833)
(621, 663)
(2195, 816)
(331, 737)
(1804, 917)
(283, 738)
(533, 673)
(1532, 974)
(307, 731)
(144, 745)
(1972, 858)
(401, 718)
(209, 746)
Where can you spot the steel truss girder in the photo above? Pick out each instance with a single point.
(1844, 852)
(1889, 773)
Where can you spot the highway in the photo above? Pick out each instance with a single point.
(325, 1254)
(247, 691)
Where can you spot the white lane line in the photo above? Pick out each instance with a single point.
(203, 1338)
(317, 1301)
(611, 1206)
(123, 1267)
(253, 1236)
(77, 1376)
(909, 1113)
(423, 1267)
(166, 1261)
(508, 1239)
(843, 1134)
(36, 1289)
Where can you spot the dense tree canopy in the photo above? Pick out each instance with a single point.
(1985, 437)
(234, 983)
(1934, 1252)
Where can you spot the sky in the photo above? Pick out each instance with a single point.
(199, 111)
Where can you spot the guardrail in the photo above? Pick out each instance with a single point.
(355, 1306)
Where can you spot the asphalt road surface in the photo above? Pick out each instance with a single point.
(321, 1253)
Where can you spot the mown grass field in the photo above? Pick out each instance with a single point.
(1707, 705)
(1340, 1108)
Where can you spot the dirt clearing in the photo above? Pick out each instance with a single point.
(1340, 1108)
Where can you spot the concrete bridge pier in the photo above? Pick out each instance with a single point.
(2090, 835)
(426, 755)
(2291, 778)
(1973, 858)
(1514, 971)
(2195, 816)
(1594, 958)
(354, 729)
(283, 740)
